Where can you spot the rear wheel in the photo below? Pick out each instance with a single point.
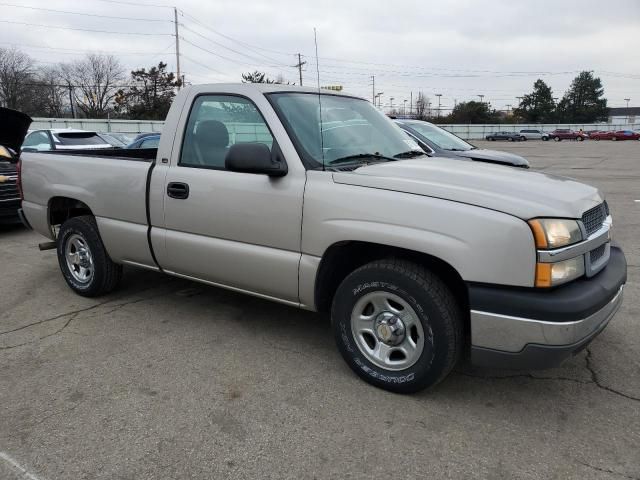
(84, 262)
(397, 325)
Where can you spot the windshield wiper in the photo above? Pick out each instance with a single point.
(410, 154)
(361, 156)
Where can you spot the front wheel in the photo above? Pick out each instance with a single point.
(85, 264)
(556, 138)
(545, 139)
(523, 139)
(397, 325)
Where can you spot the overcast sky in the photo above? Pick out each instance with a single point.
(459, 49)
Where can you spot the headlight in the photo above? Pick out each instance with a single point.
(553, 274)
(555, 232)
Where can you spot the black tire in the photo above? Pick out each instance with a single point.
(106, 274)
(491, 139)
(557, 139)
(614, 139)
(435, 306)
(512, 139)
(545, 139)
(523, 138)
(597, 139)
(580, 139)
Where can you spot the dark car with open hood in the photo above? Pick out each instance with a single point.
(13, 128)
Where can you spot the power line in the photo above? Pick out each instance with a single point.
(261, 62)
(217, 54)
(138, 19)
(75, 51)
(84, 29)
(136, 4)
(245, 44)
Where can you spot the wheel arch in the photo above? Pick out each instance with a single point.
(60, 209)
(342, 258)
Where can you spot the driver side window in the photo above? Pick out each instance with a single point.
(216, 122)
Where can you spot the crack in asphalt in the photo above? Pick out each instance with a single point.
(82, 310)
(594, 379)
(72, 316)
(606, 470)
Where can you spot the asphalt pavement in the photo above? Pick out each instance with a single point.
(170, 379)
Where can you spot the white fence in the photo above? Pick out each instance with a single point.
(122, 126)
(469, 132)
(478, 132)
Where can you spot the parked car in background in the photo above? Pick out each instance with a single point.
(511, 136)
(112, 140)
(63, 139)
(533, 135)
(438, 142)
(14, 128)
(144, 134)
(125, 138)
(560, 134)
(615, 136)
(148, 141)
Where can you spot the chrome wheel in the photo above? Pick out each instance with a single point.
(387, 330)
(79, 258)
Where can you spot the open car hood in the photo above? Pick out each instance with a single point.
(13, 128)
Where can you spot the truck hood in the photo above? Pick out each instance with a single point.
(494, 156)
(13, 128)
(519, 192)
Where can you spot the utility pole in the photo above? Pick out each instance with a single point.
(404, 107)
(175, 21)
(299, 66)
(391, 104)
(373, 89)
(73, 112)
(481, 98)
(411, 105)
(627, 100)
(438, 95)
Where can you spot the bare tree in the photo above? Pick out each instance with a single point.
(422, 106)
(50, 95)
(95, 81)
(16, 74)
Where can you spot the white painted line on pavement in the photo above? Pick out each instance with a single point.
(25, 473)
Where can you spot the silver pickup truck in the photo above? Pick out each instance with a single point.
(318, 201)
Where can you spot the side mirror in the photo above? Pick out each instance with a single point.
(254, 158)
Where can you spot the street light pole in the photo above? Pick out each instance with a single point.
(438, 95)
(390, 104)
(481, 98)
(404, 107)
(627, 100)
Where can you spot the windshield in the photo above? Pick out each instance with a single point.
(351, 129)
(440, 137)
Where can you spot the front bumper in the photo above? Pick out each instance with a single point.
(530, 329)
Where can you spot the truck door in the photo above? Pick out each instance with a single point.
(239, 230)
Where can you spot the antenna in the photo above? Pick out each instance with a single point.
(315, 39)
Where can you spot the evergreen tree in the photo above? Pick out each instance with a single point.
(538, 106)
(151, 95)
(583, 102)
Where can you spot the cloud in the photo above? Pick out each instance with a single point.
(459, 48)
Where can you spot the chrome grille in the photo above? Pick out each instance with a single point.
(8, 188)
(593, 218)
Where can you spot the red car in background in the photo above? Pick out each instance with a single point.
(567, 134)
(619, 135)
